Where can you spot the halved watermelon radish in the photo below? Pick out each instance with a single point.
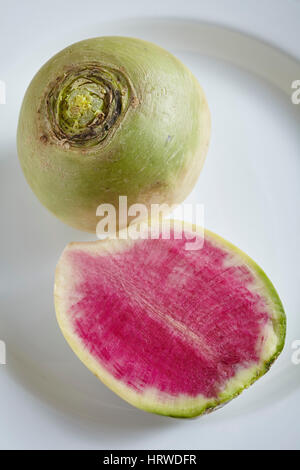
(172, 331)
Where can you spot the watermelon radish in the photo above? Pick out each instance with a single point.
(172, 331)
(110, 116)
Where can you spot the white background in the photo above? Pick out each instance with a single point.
(249, 185)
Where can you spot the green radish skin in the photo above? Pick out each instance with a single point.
(154, 132)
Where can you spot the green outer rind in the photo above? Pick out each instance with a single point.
(192, 410)
(153, 155)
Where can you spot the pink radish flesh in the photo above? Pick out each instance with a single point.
(157, 315)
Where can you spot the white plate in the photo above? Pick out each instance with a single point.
(250, 188)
